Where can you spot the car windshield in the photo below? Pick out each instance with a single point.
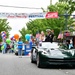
(49, 45)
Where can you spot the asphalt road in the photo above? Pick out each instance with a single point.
(13, 65)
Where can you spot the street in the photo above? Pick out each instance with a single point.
(13, 65)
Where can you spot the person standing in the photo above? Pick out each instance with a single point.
(12, 47)
(71, 44)
(52, 35)
(42, 36)
(48, 36)
(37, 36)
(5, 46)
(20, 46)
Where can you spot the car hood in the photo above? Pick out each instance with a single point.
(61, 53)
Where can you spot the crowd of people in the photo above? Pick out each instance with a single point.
(40, 37)
(7, 47)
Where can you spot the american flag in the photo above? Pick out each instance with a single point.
(60, 36)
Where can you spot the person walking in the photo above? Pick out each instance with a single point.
(20, 46)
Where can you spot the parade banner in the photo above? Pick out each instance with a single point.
(29, 15)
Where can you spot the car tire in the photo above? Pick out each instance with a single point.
(38, 62)
(32, 61)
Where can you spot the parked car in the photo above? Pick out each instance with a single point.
(50, 53)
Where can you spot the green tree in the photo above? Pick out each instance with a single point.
(23, 32)
(36, 25)
(71, 5)
(57, 24)
(4, 26)
(0, 38)
(62, 9)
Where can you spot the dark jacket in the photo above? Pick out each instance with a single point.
(49, 38)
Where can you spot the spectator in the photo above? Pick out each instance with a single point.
(12, 47)
(71, 44)
(5, 46)
(20, 46)
(42, 36)
(52, 35)
(67, 43)
(37, 36)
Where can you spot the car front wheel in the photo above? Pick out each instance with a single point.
(38, 62)
(32, 61)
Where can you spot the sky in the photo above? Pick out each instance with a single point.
(18, 24)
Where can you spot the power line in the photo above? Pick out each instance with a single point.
(18, 7)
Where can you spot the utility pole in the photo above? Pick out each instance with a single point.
(50, 2)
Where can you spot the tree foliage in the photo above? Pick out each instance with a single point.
(71, 4)
(4, 26)
(64, 16)
(23, 32)
(57, 24)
